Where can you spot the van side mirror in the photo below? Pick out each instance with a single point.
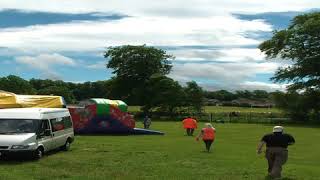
(47, 132)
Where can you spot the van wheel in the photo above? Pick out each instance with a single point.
(66, 146)
(38, 153)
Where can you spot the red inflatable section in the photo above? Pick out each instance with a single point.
(82, 116)
(124, 117)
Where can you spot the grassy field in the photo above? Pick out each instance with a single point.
(172, 156)
(219, 109)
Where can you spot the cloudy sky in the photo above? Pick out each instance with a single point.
(214, 42)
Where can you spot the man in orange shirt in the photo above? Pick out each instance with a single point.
(208, 135)
(189, 124)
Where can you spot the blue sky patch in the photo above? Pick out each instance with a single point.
(15, 18)
(279, 20)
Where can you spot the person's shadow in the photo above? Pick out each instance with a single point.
(284, 178)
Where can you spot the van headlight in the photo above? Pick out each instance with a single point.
(20, 147)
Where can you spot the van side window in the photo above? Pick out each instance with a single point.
(67, 122)
(57, 124)
(43, 126)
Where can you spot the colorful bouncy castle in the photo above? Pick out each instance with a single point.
(104, 116)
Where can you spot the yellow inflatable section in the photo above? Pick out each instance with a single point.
(11, 100)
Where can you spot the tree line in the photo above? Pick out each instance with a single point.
(161, 91)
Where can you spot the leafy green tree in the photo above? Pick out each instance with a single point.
(299, 43)
(194, 96)
(58, 91)
(299, 106)
(164, 93)
(39, 84)
(51, 87)
(16, 85)
(244, 94)
(224, 95)
(293, 104)
(133, 67)
(260, 94)
(312, 102)
(86, 90)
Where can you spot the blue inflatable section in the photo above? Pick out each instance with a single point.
(103, 124)
(140, 131)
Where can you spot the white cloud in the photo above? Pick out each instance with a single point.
(222, 72)
(229, 76)
(92, 36)
(247, 85)
(221, 54)
(242, 54)
(254, 85)
(46, 63)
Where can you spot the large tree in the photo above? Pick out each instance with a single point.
(299, 106)
(133, 67)
(194, 96)
(299, 43)
(163, 93)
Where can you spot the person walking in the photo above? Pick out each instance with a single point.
(146, 122)
(276, 151)
(189, 124)
(208, 135)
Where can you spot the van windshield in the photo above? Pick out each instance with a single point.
(16, 126)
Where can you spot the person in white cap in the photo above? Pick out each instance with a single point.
(208, 135)
(276, 152)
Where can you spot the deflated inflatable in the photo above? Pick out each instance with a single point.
(11, 100)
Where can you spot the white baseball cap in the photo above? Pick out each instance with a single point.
(278, 129)
(208, 124)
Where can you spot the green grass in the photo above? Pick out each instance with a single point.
(133, 108)
(219, 109)
(172, 156)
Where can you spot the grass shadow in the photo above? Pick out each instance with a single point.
(19, 159)
(284, 178)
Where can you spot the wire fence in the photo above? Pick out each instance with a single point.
(221, 117)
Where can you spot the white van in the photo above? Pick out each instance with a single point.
(34, 131)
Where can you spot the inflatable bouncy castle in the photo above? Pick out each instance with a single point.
(104, 116)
